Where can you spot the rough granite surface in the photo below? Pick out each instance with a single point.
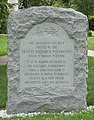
(50, 99)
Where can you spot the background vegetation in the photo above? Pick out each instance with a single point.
(84, 6)
(91, 23)
(4, 12)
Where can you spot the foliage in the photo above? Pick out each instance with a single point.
(91, 23)
(3, 45)
(84, 6)
(90, 33)
(66, 3)
(3, 16)
(29, 3)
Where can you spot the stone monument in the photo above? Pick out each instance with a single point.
(47, 60)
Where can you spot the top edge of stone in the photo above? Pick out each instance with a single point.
(39, 8)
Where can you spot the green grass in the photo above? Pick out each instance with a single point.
(3, 45)
(90, 81)
(82, 115)
(91, 42)
(3, 86)
(93, 33)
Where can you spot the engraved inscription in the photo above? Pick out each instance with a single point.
(46, 57)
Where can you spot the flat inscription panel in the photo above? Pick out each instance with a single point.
(46, 57)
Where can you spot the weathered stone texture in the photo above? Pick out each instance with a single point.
(47, 99)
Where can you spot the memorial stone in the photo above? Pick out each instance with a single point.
(47, 60)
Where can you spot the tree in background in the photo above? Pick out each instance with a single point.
(29, 3)
(84, 6)
(3, 16)
(65, 3)
(59, 3)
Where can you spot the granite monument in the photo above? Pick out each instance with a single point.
(47, 60)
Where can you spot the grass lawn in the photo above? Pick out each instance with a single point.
(83, 115)
(3, 45)
(3, 86)
(91, 42)
(90, 81)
